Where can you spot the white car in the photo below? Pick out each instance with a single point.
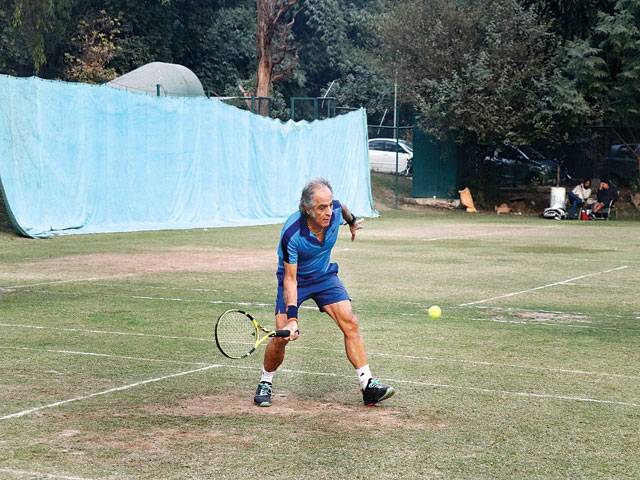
(382, 155)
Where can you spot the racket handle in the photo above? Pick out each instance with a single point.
(283, 333)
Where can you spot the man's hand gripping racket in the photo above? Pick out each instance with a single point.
(238, 334)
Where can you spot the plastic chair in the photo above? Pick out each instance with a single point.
(607, 212)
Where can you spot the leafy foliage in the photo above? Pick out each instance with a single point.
(482, 71)
(95, 46)
(31, 29)
(606, 68)
(339, 49)
(571, 19)
(618, 38)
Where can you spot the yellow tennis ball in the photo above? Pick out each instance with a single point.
(434, 311)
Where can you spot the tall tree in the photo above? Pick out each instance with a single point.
(31, 31)
(339, 48)
(277, 57)
(606, 67)
(217, 40)
(95, 46)
(483, 71)
(572, 19)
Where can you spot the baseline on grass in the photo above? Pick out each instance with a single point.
(238, 334)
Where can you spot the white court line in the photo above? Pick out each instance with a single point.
(180, 289)
(215, 302)
(295, 347)
(245, 304)
(459, 387)
(105, 392)
(155, 287)
(303, 372)
(502, 365)
(546, 324)
(423, 305)
(556, 312)
(399, 314)
(518, 394)
(377, 323)
(105, 332)
(556, 325)
(371, 353)
(53, 476)
(75, 280)
(361, 311)
(105, 355)
(512, 294)
(586, 316)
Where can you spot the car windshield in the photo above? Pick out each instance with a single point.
(377, 143)
(406, 144)
(625, 150)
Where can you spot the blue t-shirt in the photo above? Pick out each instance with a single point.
(298, 245)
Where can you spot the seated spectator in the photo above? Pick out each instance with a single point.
(607, 195)
(578, 196)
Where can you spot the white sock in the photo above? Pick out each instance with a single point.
(364, 374)
(267, 376)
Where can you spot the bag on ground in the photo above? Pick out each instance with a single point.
(556, 213)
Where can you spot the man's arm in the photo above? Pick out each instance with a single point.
(354, 222)
(290, 290)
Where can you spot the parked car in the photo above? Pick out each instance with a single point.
(382, 155)
(519, 165)
(621, 163)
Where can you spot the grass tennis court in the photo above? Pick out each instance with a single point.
(533, 371)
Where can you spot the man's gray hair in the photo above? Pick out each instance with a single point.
(306, 198)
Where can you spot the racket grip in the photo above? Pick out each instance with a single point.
(282, 333)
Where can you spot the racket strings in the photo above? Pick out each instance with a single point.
(236, 334)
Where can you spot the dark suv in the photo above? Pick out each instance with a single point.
(516, 165)
(621, 164)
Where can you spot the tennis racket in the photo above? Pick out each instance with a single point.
(238, 334)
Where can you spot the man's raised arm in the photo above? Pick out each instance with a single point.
(354, 222)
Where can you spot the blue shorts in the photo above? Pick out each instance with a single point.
(323, 289)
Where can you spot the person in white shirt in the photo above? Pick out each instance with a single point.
(578, 196)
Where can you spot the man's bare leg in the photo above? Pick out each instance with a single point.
(342, 314)
(372, 390)
(274, 353)
(273, 358)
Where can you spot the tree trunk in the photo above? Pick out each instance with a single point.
(272, 48)
(265, 64)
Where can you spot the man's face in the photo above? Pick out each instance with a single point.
(587, 184)
(604, 185)
(322, 206)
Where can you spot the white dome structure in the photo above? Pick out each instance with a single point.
(165, 79)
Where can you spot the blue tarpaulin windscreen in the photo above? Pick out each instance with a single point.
(77, 158)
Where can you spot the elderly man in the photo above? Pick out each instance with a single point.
(305, 271)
